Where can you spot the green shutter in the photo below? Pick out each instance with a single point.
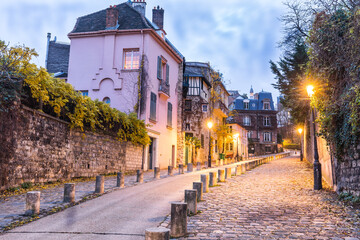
(167, 73)
(159, 62)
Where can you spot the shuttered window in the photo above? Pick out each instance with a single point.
(167, 73)
(169, 115)
(159, 70)
(153, 106)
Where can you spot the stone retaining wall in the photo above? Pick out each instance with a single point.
(39, 148)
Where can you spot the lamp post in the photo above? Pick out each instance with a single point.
(317, 164)
(300, 130)
(209, 125)
(237, 146)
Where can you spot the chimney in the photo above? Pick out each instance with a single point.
(158, 17)
(112, 15)
(140, 6)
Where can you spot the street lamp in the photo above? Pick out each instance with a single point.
(237, 146)
(209, 125)
(300, 130)
(317, 164)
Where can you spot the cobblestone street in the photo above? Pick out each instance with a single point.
(273, 201)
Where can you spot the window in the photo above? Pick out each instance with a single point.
(266, 106)
(267, 137)
(153, 107)
(231, 146)
(106, 100)
(247, 121)
(131, 59)
(187, 105)
(169, 115)
(216, 146)
(249, 134)
(84, 93)
(187, 127)
(204, 107)
(230, 129)
(163, 70)
(266, 121)
(194, 86)
(267, 149)
(246, 105)
(202, 141)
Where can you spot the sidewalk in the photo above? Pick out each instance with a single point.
(273, 201)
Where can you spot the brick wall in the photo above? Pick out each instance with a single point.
(39, 148)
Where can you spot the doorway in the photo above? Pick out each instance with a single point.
(151, 153)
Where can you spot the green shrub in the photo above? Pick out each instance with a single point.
(26, 185)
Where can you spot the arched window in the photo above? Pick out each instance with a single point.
(106, 100)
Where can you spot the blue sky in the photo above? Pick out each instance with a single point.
(238, 37)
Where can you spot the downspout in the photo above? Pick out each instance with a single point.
(139, 100)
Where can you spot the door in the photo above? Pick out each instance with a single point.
(151, 153)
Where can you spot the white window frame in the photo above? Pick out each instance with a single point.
(268, 106)
(133, 66)
(267, 137)
(267, 121)
(247, 121)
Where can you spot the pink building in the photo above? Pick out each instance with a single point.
(120, 57)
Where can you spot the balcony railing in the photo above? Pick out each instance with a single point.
(164, 89)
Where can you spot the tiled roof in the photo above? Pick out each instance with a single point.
(58, 57)
(198, 69)
(129, 18)
(255, 104)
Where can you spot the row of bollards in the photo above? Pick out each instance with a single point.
(180, 210)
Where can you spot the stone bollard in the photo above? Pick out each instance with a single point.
(243, 168)
(238, 170)
(227, 173)
(170, 170)
(198, 166)
(221, 175)
(205, 182)
(99, 185)
(198, 186)
(178, 223)
(191, 200)
(69, 192)
(206, 164)
(190, 167)
(159, 233)
(157, 172)
(139, 176)
(212, 179)
(32, 203)
(120, 180)
(181, 168)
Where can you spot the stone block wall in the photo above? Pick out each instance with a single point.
(348, 173)
(41, 148)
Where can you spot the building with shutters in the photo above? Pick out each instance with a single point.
(257, 115)
(120, 57)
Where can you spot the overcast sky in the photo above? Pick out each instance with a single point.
(238, 37)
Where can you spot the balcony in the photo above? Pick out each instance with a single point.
(221, 109)
(164, 90)
(253, 140)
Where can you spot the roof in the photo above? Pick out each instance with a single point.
(58, 57)
(129, 18)
(255, 104)
(198, 69)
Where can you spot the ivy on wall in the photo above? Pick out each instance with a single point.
(35, 87)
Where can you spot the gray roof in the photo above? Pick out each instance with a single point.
(129, 18)
(198, 69)
(58, 57)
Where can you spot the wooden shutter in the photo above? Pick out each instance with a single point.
(153, 106)
(167, 73)
(159, 63)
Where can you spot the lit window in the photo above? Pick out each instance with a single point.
(106, 100)
(131, 59)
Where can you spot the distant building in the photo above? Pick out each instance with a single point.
(258, 116)
(57, 57)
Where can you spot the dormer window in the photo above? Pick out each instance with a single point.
(246, 105)
(266, 106)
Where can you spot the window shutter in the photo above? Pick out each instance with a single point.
(153, 106)
(169, 116)
(159, 67)
(167, 73)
